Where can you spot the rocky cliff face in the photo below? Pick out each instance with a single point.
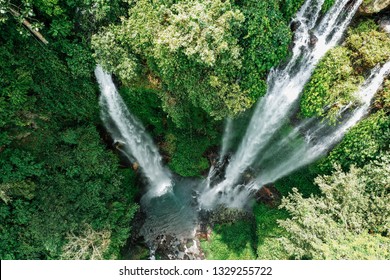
(374, 6)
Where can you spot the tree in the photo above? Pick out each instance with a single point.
(56, 174)
(89, 245)
(20, 13)
(349, 221)
(194, 49)
(332, 85)
(194, 40)
(340, 72)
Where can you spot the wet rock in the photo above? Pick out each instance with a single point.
(136, 246)
(203, 235)
(118, 144)
(295, 25)
(212, 155)
(269, 195)
(247, 177)
(135, 166)
(384, 24)
(373, 6)
(190, 243)
(181, 247)
(223, 214)
(169, 247)
(313, 39)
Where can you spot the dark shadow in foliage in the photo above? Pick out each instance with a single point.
(232, 241)
(303, 179)
(181, 148)
(268, 232)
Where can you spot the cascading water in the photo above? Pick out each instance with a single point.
(227, 139)
(169, 203)
(175, 212)
(131, 136)
(285, 85)
(320, 137)
(307, 142)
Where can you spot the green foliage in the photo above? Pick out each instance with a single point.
(233, 241)
(327, 5)
(268, 232)
(363, 27)
(89, 245)
(84, 182)
(186, 155)
(145, 104)
(339, 73)
(290, 7)
(301, 179)
(267, 36)
(184, 65)
(369, 47)
(183, 148)
(265, 41)
(19, 169)
(201, 42)
(180, 40)
(382, 100)
(362, 143)
(56, 175)
(358, 247)
(202, 37)
(347, 221)
(32, 93)
(369, 137)
(373, 6)
(208, 65)
(17, 11)
(331, 86)
(117, 58)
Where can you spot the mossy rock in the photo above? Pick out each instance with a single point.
(369, 7)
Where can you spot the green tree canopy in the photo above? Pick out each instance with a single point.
(350, 220)
(194, 48)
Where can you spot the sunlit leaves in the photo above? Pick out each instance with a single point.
(340, 73)
(195, 48)
(363, 142)
(203, 30)
(347, 220)
(331, 86)
(369, 48)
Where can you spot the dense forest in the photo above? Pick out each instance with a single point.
(183, 67)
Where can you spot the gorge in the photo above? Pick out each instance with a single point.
(172, 203)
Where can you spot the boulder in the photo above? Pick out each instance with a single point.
(135, 166)
(384, 24)
(295, 25)
(313, 39)
(269, 195)
(373, 6)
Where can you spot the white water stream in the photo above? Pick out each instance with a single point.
(284, 86)
(171, 210)
(130, 135)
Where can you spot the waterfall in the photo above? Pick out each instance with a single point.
(312, 40)
(266, 154)
(130, 135)
(307, 142)
(321, 137)
(226, 140)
